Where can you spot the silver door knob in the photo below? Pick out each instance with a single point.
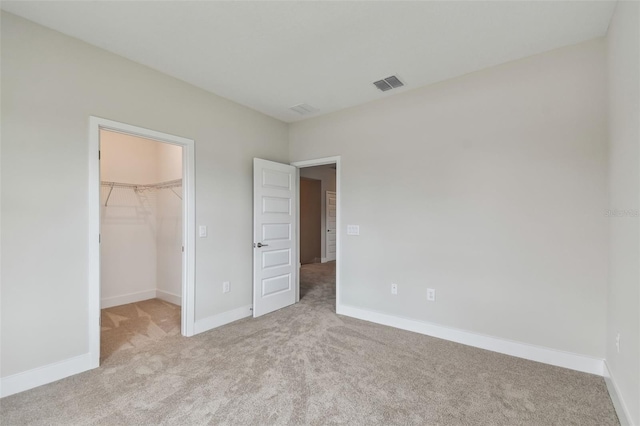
(262, 245)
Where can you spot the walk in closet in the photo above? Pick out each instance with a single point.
(141, 220)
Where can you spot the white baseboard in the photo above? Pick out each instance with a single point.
(169, 297)
(139, 297)
(618, 402)
(222, 319)
(542, 354)
(42, 375)
(108, 302)
(323, 260)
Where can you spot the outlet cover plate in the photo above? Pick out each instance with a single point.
(431, 294)
(353, 229)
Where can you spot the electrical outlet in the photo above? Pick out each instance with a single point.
(618, 342)
(226, 288)
(353, 229)
(394, 288)
(431, 294)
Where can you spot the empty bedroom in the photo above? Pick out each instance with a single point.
(363, 213)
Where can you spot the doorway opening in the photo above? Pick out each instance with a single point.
(276, 243)
(141, 240)
(141, 265)
(318, 215)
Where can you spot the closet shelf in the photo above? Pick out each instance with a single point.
(170, 184)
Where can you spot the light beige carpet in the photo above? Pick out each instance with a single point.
(136, 325)
(306, 365)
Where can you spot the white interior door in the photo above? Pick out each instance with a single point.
(274, 236)
(331, 205)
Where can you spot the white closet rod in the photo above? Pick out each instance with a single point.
(170, 184)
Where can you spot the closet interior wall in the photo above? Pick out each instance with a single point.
(141, 229)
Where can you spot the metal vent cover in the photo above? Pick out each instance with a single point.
(388, 83)
(304, 109)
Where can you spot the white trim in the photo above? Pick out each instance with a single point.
(93, 251)
(139, 296)
(324, 260)
(616, 397)
(296, 252)
(167, 296)
(321, 162)
(218, 320)
(46, 374)
(188, 210)
(509, 347)
(123, 299)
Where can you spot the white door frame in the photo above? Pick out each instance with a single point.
(188, 225)
(322, 162)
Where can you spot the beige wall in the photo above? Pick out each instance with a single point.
(489, 188)
(169, 224)
(51, 84)
(623, 314)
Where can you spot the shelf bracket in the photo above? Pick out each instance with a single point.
(108, 196)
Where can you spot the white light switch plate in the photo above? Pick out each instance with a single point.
(353, 229)
(202, 231)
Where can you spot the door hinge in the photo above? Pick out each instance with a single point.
(183, 249)
(99, 238)
(99, 154)
(100, 321)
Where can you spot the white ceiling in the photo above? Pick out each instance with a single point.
(272, 55)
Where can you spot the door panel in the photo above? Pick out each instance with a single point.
(275, 258)
(276, 205)
(331, 211)
(274, 285)
(276, 231)
(274, 236)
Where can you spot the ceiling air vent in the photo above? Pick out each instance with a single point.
(388, 83)
(304, 109)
